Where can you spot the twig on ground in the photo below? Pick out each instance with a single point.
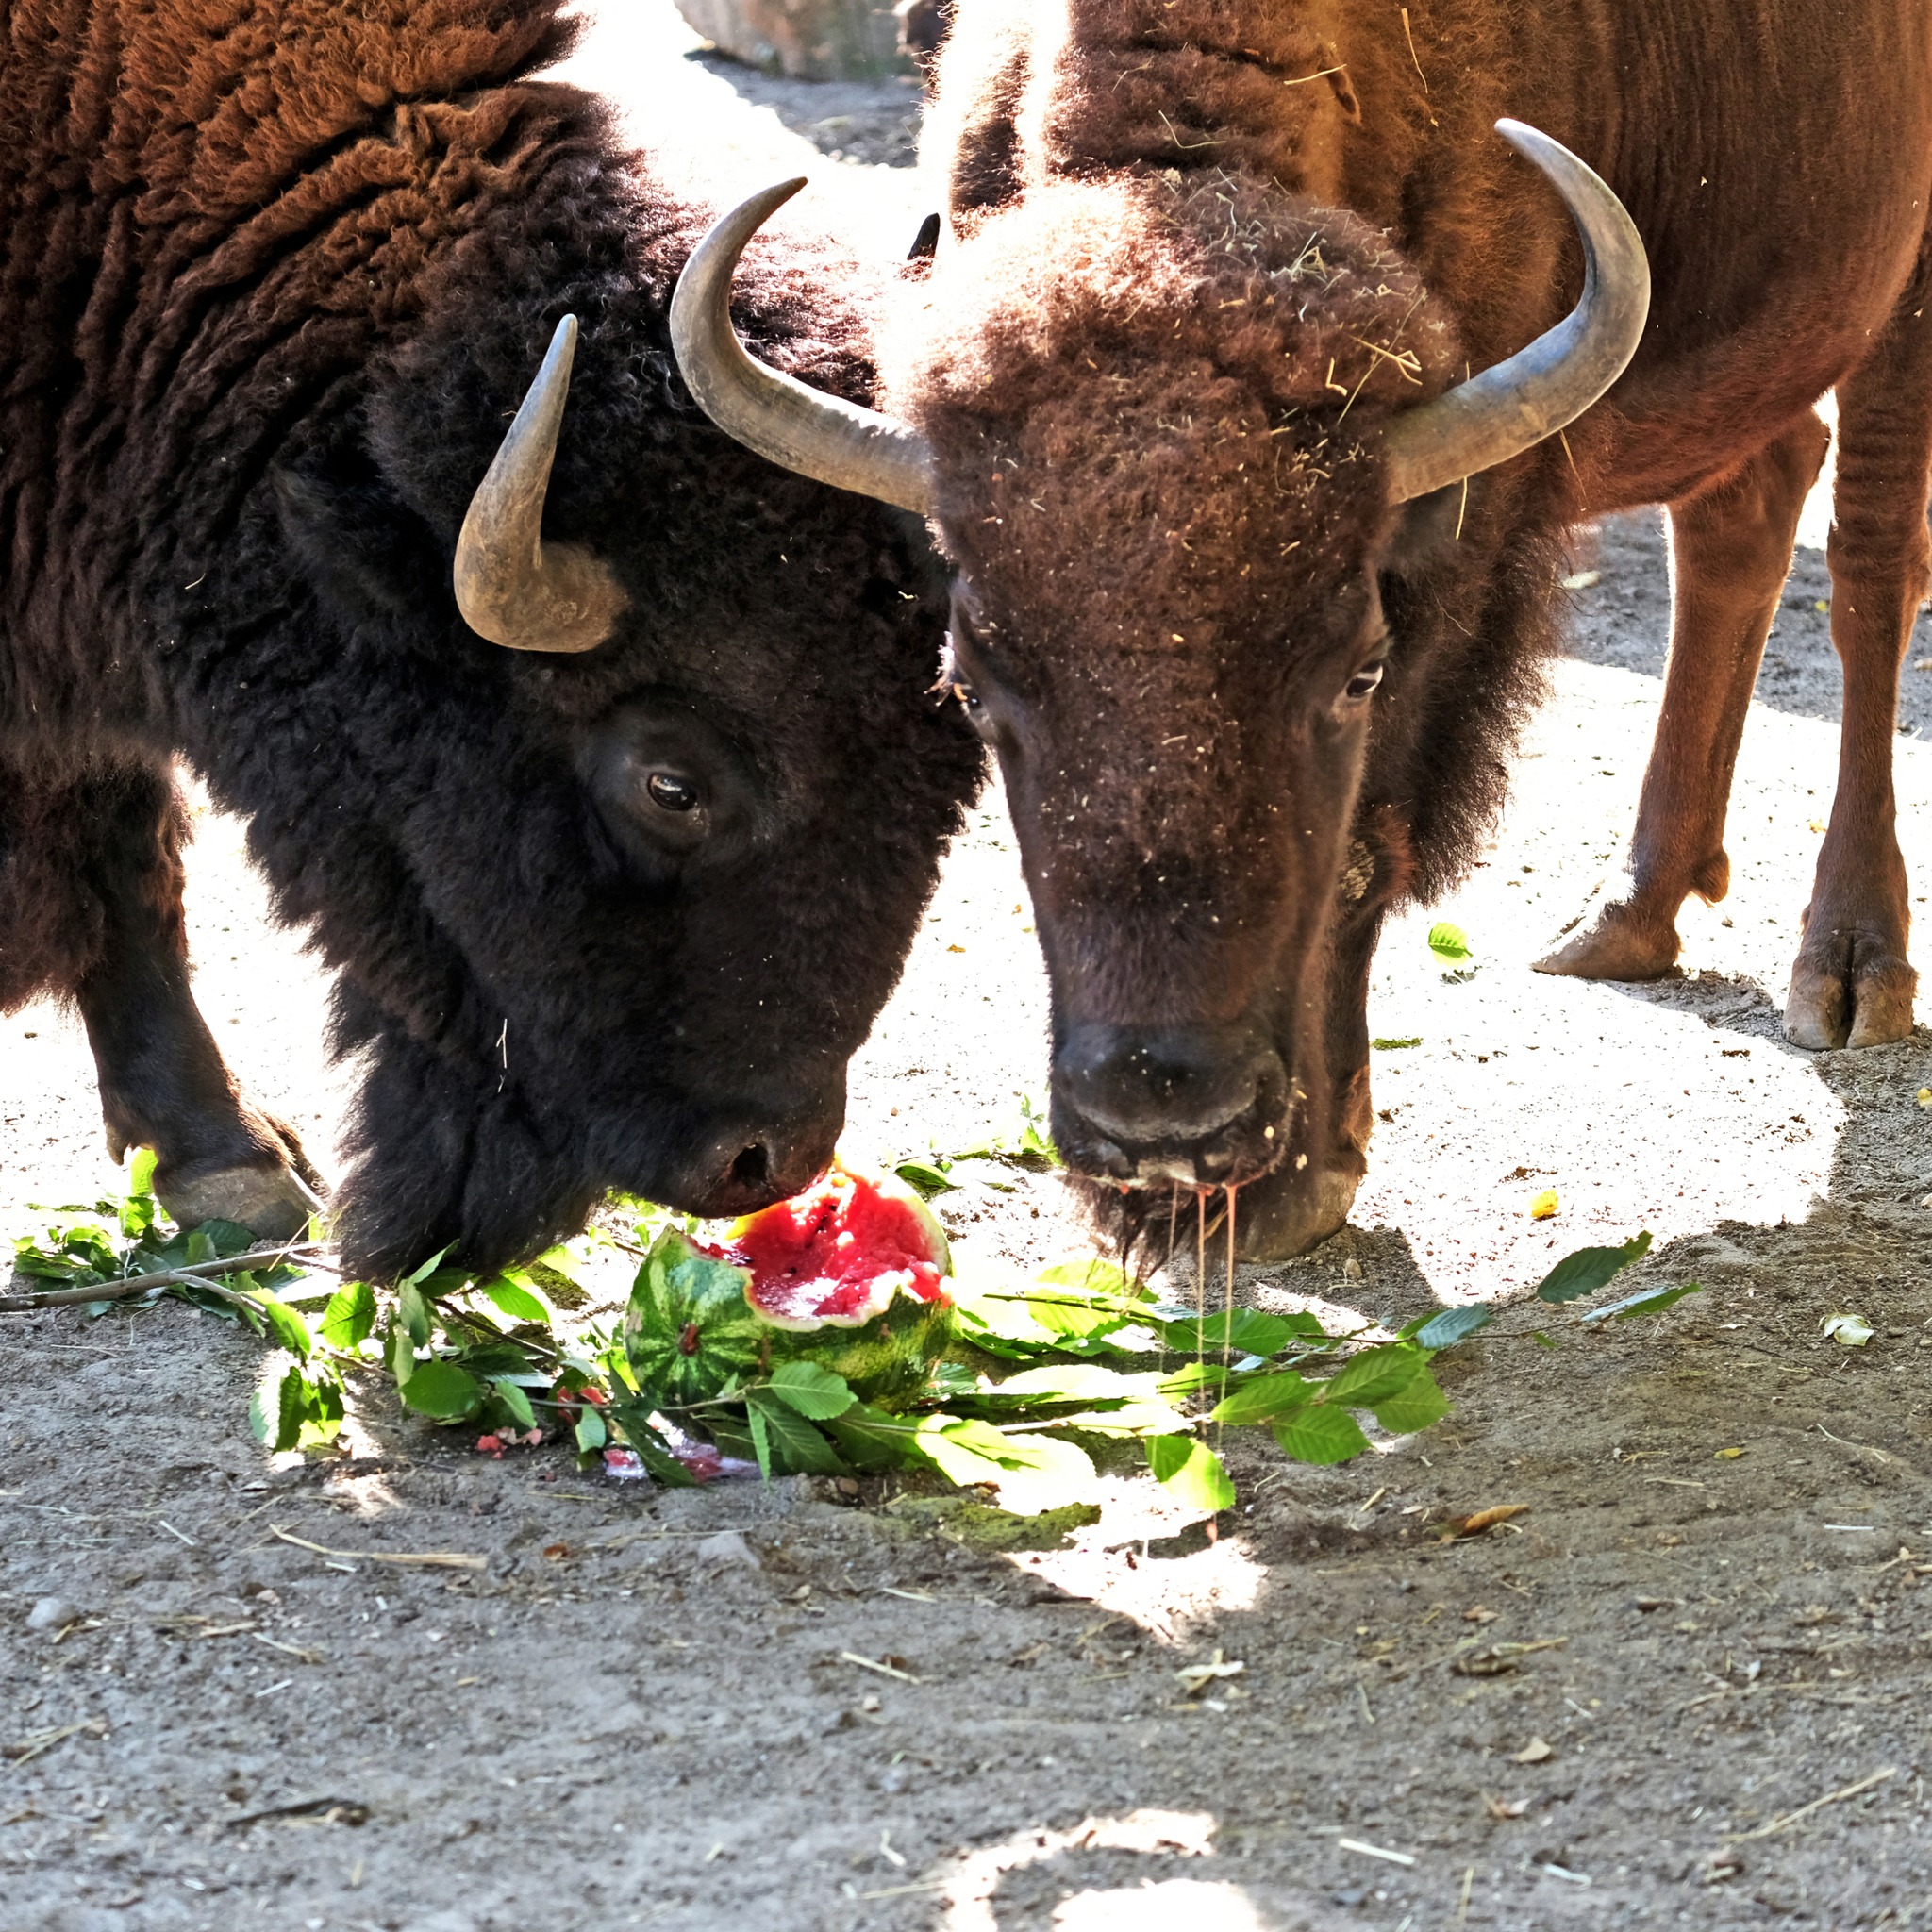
(437, 1559)
(1864, 1784)
(191, 1273)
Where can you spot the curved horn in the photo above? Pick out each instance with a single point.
(510, 587)
(782, 419)
(1538, 390)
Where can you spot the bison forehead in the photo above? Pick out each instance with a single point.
(1301, 304)
(1151, 401)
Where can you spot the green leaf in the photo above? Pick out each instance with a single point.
(794, 1445)
(517, 1299)
(1041, 1473)
(225, 1238)
(760, 1440)
(417, 1277)
(924, 1178)
(1321, 1435)
(515, 1400)
(1543, 1340)
(1452, 1325)
(1374, 1375)
(288, 1330)
(963, 1452)
(1073, 1311)
(321, 1419)
(414, 1312)
(634, 1419)
(1589, 1269)
(350, 1316)
(1449, 943)
(200, 1248)
(592, 1434)
(1264, 1398)
(1248, 1332)
(1648, 1301)
(869, 1438)
(275, 1411)
(442, 1392)
(1093, 1276)
(138, 1207)
(1396, 1045)
(1192, 1472)
(1414, 1407)
(813, 1392)
(400, 1354)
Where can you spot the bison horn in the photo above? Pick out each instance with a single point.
(782, 419)
(512, 587)
(1506, 409)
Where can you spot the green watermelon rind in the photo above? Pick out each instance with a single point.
(679, 1287)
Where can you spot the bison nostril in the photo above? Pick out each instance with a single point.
(753, 1167)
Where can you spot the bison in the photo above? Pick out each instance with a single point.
(1251, 575)
(611, 790)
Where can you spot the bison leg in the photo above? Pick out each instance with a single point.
(1730, 551)
(163, 1083)
(1852, 984)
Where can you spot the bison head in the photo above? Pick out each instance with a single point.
(1185, 443)
(617, 851)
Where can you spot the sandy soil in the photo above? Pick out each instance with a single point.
(1685, 1687)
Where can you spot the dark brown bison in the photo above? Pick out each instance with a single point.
(611, 907)
(1251, 580)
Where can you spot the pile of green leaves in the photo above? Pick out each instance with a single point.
(1048, 1378)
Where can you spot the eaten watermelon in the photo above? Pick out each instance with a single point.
(849, 1274)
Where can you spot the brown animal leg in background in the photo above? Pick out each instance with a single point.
(163, 1083)
(1852, 984)
(1730, 552)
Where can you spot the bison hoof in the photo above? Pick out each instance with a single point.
(1851, 992)
(273, 1202)
(1617, 945)
(1284, 1213)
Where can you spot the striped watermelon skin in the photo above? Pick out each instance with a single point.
(689, 1330)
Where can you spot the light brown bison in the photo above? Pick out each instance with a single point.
(1250, 582)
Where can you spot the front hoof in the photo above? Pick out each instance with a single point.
(1617, 945)
(272, 1202)
(1285, 1213)
(1852, 993)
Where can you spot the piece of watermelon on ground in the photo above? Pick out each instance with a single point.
(850, 1275)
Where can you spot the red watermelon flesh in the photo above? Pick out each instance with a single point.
(838, 1254)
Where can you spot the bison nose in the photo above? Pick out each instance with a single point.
(750, 1162)
(1168, 1089)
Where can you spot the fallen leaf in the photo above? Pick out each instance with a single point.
(556, 1553)
(1197, 1677)
(1923, 1096)
(1534, 1751)
(1543, 1206)
(1727, 1455)
(1502, 1810)
(1848, 1331)
(1479, 1521)
(1482, 1663)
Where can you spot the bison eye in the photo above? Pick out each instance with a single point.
(1364, 683)
(672, 791)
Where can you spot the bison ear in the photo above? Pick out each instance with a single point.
(1426, 532)
(354, 539)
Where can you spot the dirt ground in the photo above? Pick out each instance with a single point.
(1687, 1686)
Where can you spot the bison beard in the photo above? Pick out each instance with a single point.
(276, 282)
(1219, 268)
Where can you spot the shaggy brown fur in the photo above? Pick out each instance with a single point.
(1205, 250)
(277, 273)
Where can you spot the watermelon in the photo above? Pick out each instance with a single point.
(849, 1275)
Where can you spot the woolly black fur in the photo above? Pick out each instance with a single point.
(277, 275)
